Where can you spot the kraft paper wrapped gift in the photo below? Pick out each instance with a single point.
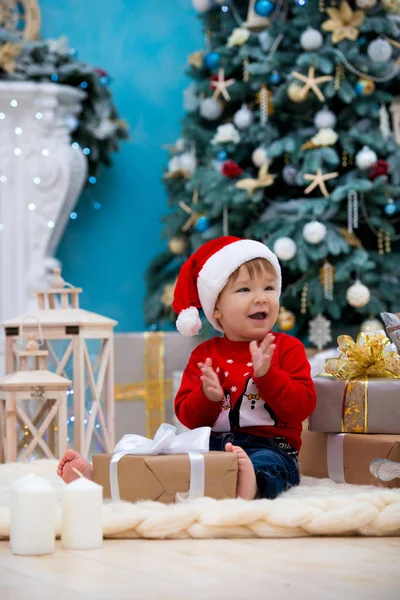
(346, 457)
(371, 406)
(143, 376)
(161, 477)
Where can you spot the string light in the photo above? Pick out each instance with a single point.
(14, 103)
(17, 151)
(97, 206)
(72, 419)
(2, 116)
(51, 224)
(75, 145)
(3, 178)
(18, 130)
(39, 116)
(86, 151)
(1, 226)
(31, 206)
(73, 215)
(36, 180)
(92, 179)
(45, 152)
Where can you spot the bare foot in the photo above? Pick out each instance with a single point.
(70, 461)
(247, 484)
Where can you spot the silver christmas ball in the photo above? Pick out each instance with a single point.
(289, 174)
(358, 295)
(365, 158)
(211, 109)
(379, 50)
(259, 157)
(285, 248)
(190, 100)
(202, 5)
(314, 232)
(366, 4)
(325, 118)
(371, 324)
(311, 39)
(243, 118)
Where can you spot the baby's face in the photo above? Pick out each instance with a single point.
(248, 308)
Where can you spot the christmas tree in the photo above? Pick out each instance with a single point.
(292, 137)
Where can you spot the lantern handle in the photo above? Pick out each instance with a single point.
(21, 335)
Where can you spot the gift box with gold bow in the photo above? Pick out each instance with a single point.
(144, 367)
(359, 391)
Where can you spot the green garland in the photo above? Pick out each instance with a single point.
(97, 127)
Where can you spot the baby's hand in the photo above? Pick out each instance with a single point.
(262, 355)
(211, 385)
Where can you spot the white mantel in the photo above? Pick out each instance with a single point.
(39, 170)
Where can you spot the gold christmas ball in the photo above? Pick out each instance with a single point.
(371, 324)
(168, 294)
(391, 6)
(286, 319)
(177, 245)
(295, 93)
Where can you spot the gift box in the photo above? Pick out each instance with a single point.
(360, 391)
(360, 406)
(161, 477)
(144, 366)
(347, 457)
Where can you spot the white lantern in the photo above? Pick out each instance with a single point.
(243, 118)
(211, 109)
(314, 232)
(285, 248)
(365, 158)
(311, 39)
(259, 157)
(324, 119)
(92, 368)
(358, 294)
(37, 400)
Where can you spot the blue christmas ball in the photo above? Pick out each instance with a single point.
(390, 209)
(104, 80)
(275, 78)
(154, 327)
(222, 155)
(202, 224)
(264, 8)
(211, 60)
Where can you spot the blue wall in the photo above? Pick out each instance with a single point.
(143, 45)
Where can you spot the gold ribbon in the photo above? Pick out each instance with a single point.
(358, 362)
(155, 388)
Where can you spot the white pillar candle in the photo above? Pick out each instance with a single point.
(32, 515)
(82, 504)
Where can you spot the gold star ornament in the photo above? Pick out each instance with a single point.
(8, 52)
(264, 179)
(311, 82)
(343, 22)
(318, 180)
(221, 85)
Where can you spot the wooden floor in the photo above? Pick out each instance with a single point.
(297, 569)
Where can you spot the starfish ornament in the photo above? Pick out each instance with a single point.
(194, 216)
(221, 85)
(264, 179)
(343, 22)
(311, 82)
(319, 180)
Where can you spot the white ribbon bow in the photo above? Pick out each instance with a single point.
(195, 443)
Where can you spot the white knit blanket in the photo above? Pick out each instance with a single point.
(316, 507)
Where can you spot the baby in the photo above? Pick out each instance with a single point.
(252, 387)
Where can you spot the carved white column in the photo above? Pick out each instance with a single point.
(41, 177)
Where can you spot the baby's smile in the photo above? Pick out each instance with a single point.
(258, 316)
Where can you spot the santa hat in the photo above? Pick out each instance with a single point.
(204, 275)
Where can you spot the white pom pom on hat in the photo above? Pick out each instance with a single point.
(204, 275)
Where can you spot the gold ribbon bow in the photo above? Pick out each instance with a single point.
(359, 361)
(255, 396)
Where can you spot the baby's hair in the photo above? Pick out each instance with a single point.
(256, 266)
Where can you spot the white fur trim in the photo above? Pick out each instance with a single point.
(188, 322)
(216, 271)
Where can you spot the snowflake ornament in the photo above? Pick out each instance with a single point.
(320, 331)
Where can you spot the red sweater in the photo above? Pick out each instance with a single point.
(270, 406)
